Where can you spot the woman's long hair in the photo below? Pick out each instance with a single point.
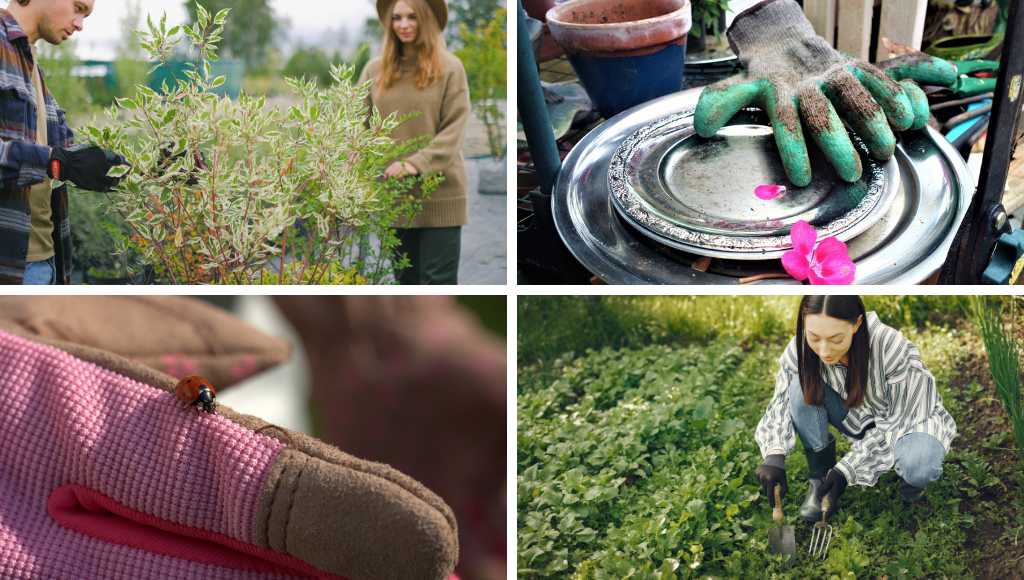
(427, 47)
(846, 308)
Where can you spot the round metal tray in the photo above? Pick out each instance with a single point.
(697, 194)
(905, 246)
(715, 55)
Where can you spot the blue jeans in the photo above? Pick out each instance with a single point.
(40, 273)
(918, 455)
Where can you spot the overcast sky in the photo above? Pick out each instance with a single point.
(310, 21)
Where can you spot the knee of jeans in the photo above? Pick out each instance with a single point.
(796, 397)
(920, 469)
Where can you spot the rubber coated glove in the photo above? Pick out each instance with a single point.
(919, 68)
(792, 73)
(832, 486)
(106, 473)
(84, 165)
(771, 473)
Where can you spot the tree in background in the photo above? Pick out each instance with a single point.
(474, 14)
(372, 31)
(314, 63)
(484, 55)
(57, 62)
(129, 60)
(249, 36)
(311, 63)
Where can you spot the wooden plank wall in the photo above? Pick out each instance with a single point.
(846, 24)
(854, 34)
(822, 14)
(902, 22)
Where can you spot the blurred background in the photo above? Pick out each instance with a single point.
(415, 382)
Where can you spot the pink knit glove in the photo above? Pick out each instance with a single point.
(103, 476)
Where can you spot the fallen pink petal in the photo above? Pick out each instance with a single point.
(796, 265)
(769, 191)
(829, 263)
(832, 264)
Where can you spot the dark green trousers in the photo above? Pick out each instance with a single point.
(433, 255)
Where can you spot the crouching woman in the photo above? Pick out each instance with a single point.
(846, 368)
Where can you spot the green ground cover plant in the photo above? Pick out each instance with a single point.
(636, 453)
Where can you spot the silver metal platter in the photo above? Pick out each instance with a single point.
(697, 194)
(713, 55)
(905, 246)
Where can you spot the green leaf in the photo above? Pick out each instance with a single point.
(118, 171)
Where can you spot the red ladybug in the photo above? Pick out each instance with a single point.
(195, 390)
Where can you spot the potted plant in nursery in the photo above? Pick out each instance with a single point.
(483, 54)
(238, 192)
(708, 21)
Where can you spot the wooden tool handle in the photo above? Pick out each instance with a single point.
(825, 505)
(777, 511)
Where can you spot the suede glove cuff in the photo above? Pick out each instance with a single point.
(775, 460)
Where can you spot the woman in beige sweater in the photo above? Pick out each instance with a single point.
(415, 73)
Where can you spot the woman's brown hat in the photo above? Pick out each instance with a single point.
(440, 8)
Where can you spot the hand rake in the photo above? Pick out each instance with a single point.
(821, 534)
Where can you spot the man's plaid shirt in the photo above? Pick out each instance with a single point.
(22, 161)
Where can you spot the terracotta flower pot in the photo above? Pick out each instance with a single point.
(537, 8)
(625, 53)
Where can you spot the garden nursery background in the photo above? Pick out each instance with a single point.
(107, 77)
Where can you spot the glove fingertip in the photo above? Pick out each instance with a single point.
(905, 112)
(799, 175)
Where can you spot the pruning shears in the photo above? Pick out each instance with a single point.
(975, 76)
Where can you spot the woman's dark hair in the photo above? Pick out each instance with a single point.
(846, 308)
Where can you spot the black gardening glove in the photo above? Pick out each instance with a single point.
(770, 473)
(85, 165)
(832, 486)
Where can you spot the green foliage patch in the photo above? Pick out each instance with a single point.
(635, 459)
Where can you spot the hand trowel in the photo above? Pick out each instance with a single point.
(780, 538)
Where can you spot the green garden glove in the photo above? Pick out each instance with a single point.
(920, 68)
(792, 73)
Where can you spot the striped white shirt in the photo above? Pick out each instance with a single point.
(901, 398)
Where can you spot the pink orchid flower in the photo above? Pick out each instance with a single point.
(769, 191)
(829, 263)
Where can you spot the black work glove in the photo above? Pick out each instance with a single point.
(84, 165)
(771, 472)
(832, 486)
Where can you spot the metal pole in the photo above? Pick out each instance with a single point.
(533, 111)
(986, 218)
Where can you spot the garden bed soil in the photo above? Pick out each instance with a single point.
(996, 543)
